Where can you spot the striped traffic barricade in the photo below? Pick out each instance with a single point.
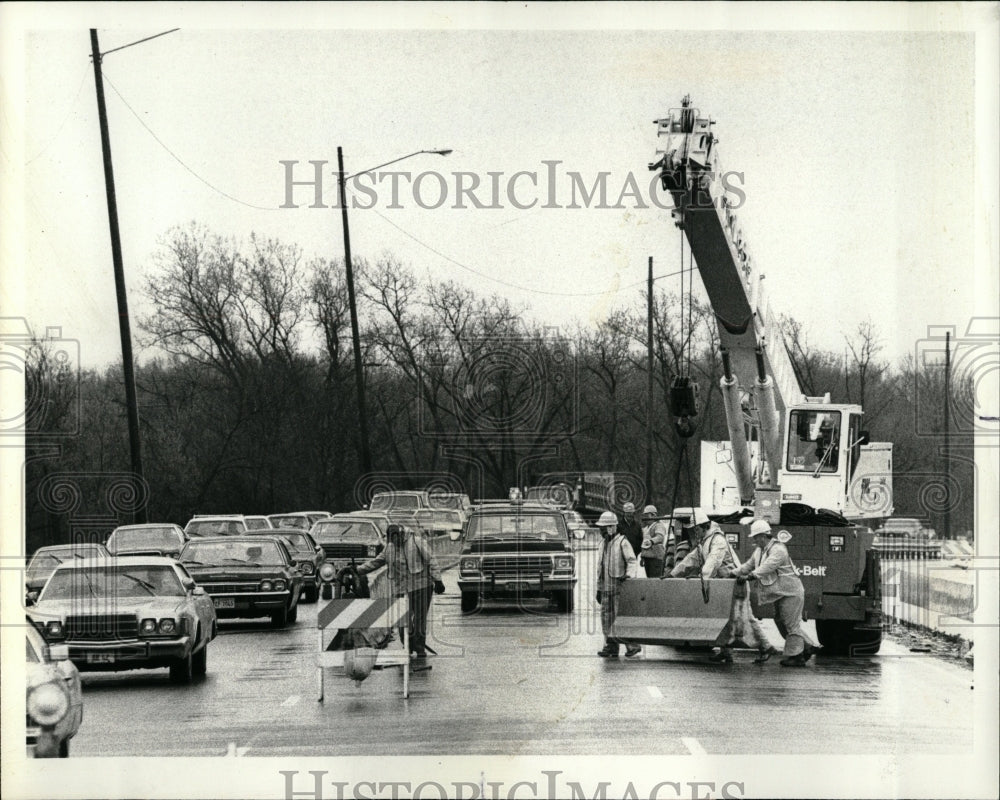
(362, 614)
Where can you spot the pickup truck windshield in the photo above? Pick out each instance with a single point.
(520, 526)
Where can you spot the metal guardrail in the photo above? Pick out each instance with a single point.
(908, 549)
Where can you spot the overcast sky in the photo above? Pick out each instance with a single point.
(857, 154)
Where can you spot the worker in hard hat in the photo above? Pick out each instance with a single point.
(710, 555)
(771, 568)
(657, 540)
(617, 564)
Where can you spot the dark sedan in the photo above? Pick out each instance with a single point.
(307, 556)
(246, 576)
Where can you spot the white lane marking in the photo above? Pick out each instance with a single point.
(654, 691)
(694, 746)
(291, 701)
(236, 752)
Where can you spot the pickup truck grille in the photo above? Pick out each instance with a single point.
(102, 627)
(227, 588)
(515, 566)
(346, 550)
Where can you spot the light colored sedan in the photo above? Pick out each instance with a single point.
(53, 699)
(131, 612)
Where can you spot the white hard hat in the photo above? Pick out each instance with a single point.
(608, 518)
(760, 526)
(650, 510)
(700, 517)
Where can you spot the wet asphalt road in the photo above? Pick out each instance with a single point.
(526, 682)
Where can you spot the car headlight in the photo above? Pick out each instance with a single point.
(326, 572)
(47, 704)
(469, 565)
(54, 629)
(564, 562)
(307, 568)
(147, 627)
(372, 550)
(265, 586)
(279, 586)
(168, 625)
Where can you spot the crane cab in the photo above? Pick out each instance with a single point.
(829, 462)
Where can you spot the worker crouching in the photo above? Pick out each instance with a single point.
(411, 571)
(772, 568)
(617, 564)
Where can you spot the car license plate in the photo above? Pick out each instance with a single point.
(100, 658)
(517, 586)
(224, 602)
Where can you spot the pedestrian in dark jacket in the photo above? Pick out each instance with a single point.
(630, 527)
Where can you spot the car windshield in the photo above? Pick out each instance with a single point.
(290, 521)
(144, 539)
(257, 523)
(439, 501)
(395, 502)
(360, 531)
(298, 542)
(214, 527)
(259, 552)
(522, 526)
(42, 564)
(111, 582)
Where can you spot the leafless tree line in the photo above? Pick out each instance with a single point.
(249, 403)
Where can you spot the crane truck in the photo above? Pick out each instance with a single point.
(801, 462)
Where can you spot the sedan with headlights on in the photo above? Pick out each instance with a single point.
(130, 612)
(246, 576)
(306, 555)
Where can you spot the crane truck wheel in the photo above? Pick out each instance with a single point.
(847, 638)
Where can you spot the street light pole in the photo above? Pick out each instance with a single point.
(364, 451)
(359, 378)
(131, 403)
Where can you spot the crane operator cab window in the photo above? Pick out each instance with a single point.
(814, 443)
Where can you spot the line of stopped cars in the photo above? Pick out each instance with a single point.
(151, 596)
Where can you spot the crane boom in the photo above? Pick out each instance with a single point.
(800, 438)
(690, 171)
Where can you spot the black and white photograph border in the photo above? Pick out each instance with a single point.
(857, 168)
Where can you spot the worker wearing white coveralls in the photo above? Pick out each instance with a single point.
(713, 557)
(772, 568)
(618, 563)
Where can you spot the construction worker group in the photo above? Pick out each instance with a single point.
(695, 546)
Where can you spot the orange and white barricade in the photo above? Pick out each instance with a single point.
(353, 614)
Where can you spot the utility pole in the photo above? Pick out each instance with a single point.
(947, 433)
(364, 452)
(135, 446)
(649, 383)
